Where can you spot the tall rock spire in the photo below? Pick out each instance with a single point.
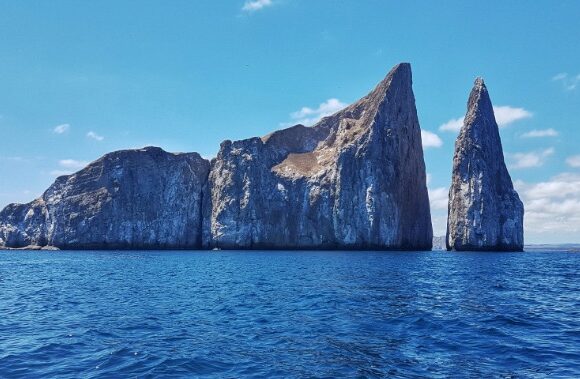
(485, 212)
(355, 180)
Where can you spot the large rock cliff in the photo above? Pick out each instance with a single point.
(485, 212)
(131, 199)
(355, 180)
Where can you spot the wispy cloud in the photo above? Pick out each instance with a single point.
(569, 82)
(553, 205)
(72, 163)
(438, 198)
(60, 172)
(504, 115)
(15, 196)
(95, 136)
(256, 5)
(68, 166)
(573, 161)
(61, 129)
(453, 125)
(14, 159)
(309, 116)
(430, 139)
(540, 133)
(531, 159)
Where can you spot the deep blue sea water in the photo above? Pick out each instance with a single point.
(289, 314)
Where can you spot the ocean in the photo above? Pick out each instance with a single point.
(96, 314)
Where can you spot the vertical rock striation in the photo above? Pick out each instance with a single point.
(355, 180)
(130, 199)
(485, 212)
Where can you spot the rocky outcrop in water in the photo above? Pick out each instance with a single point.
(485, 212)
(131, 199)
(355, 180)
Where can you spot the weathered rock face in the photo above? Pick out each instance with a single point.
(485, 212)
(355, 180)
(136, 199)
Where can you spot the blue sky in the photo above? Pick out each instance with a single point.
(79, 79)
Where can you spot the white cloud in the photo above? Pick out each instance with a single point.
(504, 115)
(430, 139)
(569, 82)
(61, 129)
(560, 76)
(68, 166)
(16, 196)
(553, 205)
(309, 116)
(60, 172)
(95, 136)
(531, 159)
(255, 5)
(72, 163)
(540, 133)
(14, 159)
(439, 197)
(573, 161)
(439, 222)
(453, 125)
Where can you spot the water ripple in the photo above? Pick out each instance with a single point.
(289, 314)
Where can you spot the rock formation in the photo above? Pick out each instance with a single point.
(485, 212)
(131, 199)
(355, 180)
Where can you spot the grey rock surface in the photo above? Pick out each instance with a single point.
(355, 180)
(130, 199)
(485, 212)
